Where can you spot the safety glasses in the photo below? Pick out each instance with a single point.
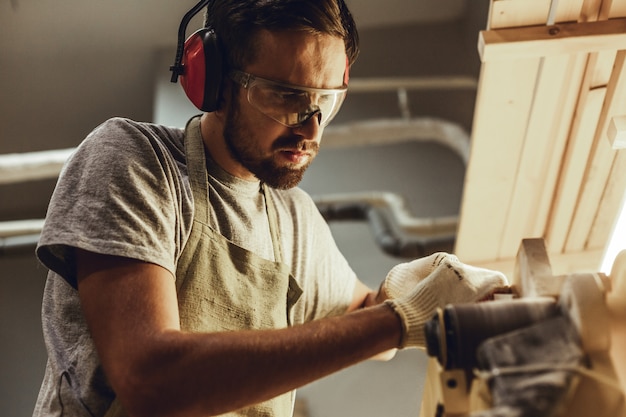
(290, 105)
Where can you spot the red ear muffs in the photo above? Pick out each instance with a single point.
(202, 67)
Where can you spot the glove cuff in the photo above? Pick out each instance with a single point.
(414, 312)
(392, 286)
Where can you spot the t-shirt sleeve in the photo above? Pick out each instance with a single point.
(116, 195)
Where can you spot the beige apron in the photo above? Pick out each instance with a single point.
(222, 286)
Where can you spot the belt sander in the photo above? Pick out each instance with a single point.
(555, 346)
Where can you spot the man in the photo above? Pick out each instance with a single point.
(189, 276)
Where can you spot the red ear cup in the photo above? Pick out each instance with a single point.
(202, 63)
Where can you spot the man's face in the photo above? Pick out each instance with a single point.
(276, 154)
(283, 167)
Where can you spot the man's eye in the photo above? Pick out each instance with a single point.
(324, 99)
(286, 98)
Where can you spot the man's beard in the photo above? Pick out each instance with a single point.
(245, 151)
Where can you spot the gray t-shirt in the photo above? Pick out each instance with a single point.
(125, 191)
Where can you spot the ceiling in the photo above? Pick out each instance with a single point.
(45, 26)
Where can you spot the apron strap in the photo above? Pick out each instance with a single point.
(272, 218)
(196, 167)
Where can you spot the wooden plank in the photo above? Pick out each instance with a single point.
(573, 168)
(562, 38)
(533, 273)
(602, 69)
(610, 205)
(618, 8)
(593, 10)
(606, 11)
(513, 13)
(544, 144)
(498, 90)
(545, 204)
(570, 262)
(616, 96)
(616, 301)
(600, 159)
(567, 11)
(617, 132)
(598, 169)
(500, 118)
(431, 396)
(562, 263)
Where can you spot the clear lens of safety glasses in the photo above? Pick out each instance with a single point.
(290, 105)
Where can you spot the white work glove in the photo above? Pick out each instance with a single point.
(416, 289)
(403, 278)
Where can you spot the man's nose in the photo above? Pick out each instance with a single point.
(310, 128)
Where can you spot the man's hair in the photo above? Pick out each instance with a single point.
(236, 23)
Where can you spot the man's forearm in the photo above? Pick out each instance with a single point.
(190, 373)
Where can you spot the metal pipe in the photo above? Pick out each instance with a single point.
(377, 85)
(17, 245)
(9, 229)
(19, 236)
(395, 230)
(20, 167)
(387, 131)
(394, 204)
(29, 166)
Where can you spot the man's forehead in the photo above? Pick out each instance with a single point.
(294, 57)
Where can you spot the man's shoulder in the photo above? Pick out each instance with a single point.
(121, 126)
(138, 124)
(134, 137)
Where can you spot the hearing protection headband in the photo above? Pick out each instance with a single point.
(178, 68)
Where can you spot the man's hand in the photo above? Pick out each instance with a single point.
(416, 289)
(403, 278)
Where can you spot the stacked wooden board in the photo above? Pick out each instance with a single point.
(549, 121)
